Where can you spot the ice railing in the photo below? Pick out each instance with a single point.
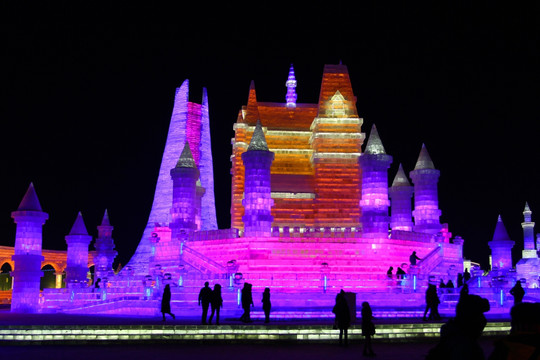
(221, 234)
(201, 262)
(431, 260)
(315, 232)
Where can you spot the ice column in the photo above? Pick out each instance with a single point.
(291, 89)
(27, 254)
(257, 200)
(105, 253)
(78, 242)
(401, 202)
(501, 247)
(426, 203)
(183, 211)
(529, 250)
(374, 163)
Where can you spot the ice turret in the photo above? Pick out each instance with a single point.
(374, 203)
(257, 200)
(401, 205)
(426, 200)
(105, 253)
(529, 250)
(291, 89)
(78, 242)
(183, 211)
(27, 255)
(501, 247)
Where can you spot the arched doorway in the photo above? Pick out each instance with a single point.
(5, 277)
(49, 278)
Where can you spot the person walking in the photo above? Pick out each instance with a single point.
(267, 305)
(247, 301)
(216, 303)
(413, 258)
(368, 328)
(432, 303)
(166, 302)
(205, 295)
(343, 318)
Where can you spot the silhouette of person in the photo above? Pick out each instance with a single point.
(368, 328)
(205, 296)
(442, 285)
(466, 276)
(247, 301)
(389, 272)
(216, 303)
(267, 305)
(450, 285)
(464, 291)
(166, 302)
(400, 273)
(517, 292)
(459, 336)
(96, 284)
(413, 258)
(459, 280)
(523, 342)
(343, 317)
(432, 303)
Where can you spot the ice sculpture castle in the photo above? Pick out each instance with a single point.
(311, 214)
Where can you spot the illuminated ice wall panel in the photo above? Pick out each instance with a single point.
(257, 190)
(426, 199)
(401, 202)
(501, 247)
(27, 256)
(374, 203)
(184, 177)
(78, 242)
(105, 253)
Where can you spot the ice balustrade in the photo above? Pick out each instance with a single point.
(223, 234)
(201, 262)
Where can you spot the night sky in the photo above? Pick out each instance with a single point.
(87, 95)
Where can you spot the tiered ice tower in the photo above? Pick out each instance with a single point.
(184, 177)
(291, 89)
(401, 198)
(257, 200)
(27, 256)
(78, 242)
(105, 253)
(374, 163)
(426, 201)
(528, 267)
(501, 247)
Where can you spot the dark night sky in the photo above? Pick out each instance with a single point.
(86, 96)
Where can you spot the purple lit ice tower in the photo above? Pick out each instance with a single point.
(426, 203)
(291, 89)
(27, 253)
(105, 253)
(78, 242)
(401, 198)
(375, 163)
(501, 247)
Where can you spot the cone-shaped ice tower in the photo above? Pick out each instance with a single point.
(183, 211)
(291, 89)
(426, 198)
(401, 202)
(189, 123)
(78, 242)
(501, 247)
(374, 163)
(105, 253)
(257, 200)
(27, 256)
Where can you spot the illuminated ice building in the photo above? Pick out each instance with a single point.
(313, 211)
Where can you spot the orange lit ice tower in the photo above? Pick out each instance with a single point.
(374, 163)
(78, 242)
(336, 141)
(105, 253)
(401, 199)
(183, 211)
(426, 204)
(257, 200)
(501, 247)
(27, 256)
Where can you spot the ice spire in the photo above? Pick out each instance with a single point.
(400, 198)
(258, 140)
(401, 178)
(30, 201)
(78, 227)
(186, 158)
(105, 221)
(252, 108)
(424, 160)
(527, 225)
(501, 247)
(291, 89)
(374, 145)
